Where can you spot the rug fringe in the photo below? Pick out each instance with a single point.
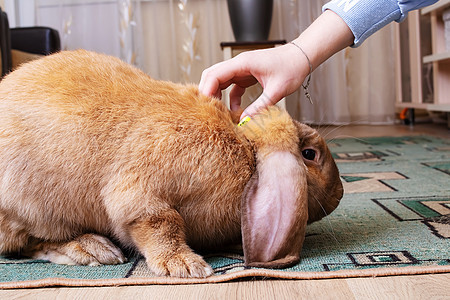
(263, 273)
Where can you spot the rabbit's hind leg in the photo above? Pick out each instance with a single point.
(13, 235)
(87, 249)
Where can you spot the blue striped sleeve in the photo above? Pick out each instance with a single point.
(365, 17)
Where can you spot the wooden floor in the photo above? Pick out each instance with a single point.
(356, 131)
(394, 287)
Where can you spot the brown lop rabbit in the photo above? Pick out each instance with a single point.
(91, 148)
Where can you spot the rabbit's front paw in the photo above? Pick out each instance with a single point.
(182, 264)
(88, 249)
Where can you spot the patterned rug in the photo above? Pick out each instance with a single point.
(394, 219)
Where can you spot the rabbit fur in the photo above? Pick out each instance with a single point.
(92, 150)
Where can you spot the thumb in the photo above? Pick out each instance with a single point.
(268, 98)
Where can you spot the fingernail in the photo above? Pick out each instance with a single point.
(245, 120)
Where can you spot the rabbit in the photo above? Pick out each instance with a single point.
(96, 157)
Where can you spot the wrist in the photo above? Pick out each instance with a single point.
(305, 84)
(298, 61)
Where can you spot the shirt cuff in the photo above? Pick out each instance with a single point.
(364, 18)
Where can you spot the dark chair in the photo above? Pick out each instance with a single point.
(5, 43)
(32, 40)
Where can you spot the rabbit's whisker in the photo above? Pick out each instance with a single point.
(333, 234)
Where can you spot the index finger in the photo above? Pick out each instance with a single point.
(220, 76)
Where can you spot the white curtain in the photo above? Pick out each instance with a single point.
(176, 39)
(354, 86)
(109, 26)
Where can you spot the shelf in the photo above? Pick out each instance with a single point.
(440, 5)
(427, 106)
(430, 83)
(439, 57)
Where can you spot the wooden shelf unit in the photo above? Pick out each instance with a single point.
(438, 57)
(423, 79)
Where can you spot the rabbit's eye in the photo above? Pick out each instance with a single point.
(309, 154)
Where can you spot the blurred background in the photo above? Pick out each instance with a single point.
(176, 40)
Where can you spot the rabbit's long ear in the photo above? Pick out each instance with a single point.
(275, 212)
(275, 201)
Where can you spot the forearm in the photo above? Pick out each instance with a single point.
(327, 35)
(349, 23)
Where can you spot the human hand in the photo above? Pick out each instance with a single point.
(280, 71)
